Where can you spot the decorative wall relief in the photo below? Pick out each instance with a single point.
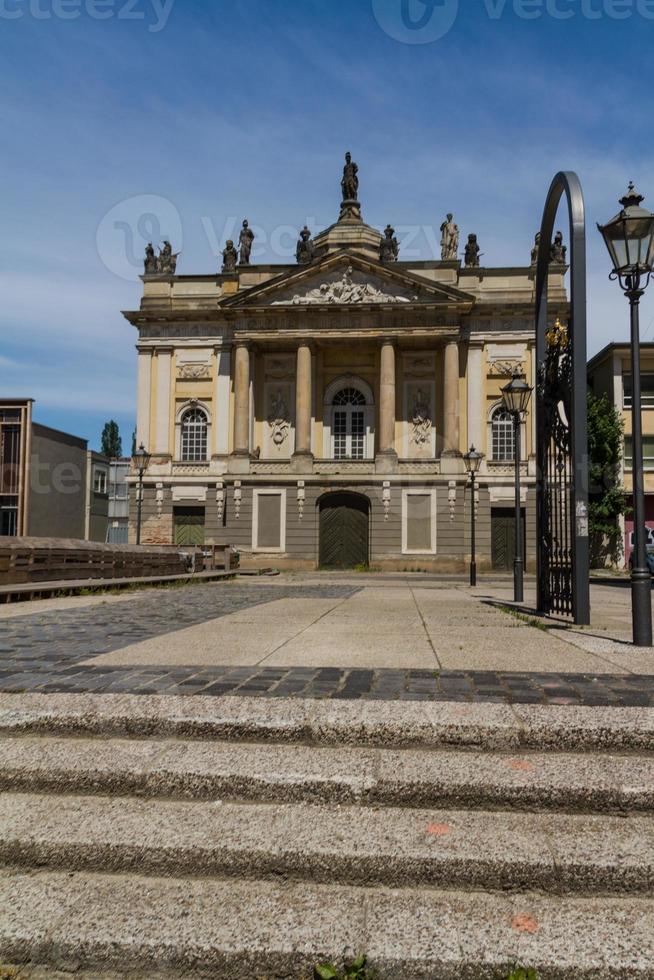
(159, 498)
(279, 418)
(342, 291)
(237, 499)
(421, 421)
(419, 400)
(220, 501)
(419, 366)
(506, 368)
(194, 372)
(386, 498)
(300, 499)
(451, 498)
(280, 368)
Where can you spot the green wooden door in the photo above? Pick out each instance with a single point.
(189, 526)
(503, 537)
(343, 531)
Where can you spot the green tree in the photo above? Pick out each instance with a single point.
(607, 500)
(112, 444)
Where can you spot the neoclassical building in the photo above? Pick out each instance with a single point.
(316, 414)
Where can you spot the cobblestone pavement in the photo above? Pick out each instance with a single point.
(46, 651)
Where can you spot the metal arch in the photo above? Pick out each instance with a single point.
(566, 182)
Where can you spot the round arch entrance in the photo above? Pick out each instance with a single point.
(344, 530)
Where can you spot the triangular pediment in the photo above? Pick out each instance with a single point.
(343, 279)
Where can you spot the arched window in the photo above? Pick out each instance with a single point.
(502, 436)
(349, 424)
(194, 436)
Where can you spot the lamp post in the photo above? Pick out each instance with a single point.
(140, 460)
(473, 459)
(515, 398)
(629, 238)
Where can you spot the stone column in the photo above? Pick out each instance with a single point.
(451, 459)
(240, 457)
(144, 397)
(162, 445)
(476, 401)
(386, 458)
(221, 401)
(302, 459)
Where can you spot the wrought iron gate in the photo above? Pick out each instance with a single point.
(561, 416)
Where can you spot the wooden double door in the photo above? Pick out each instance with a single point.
(344, 530)
(503, 537)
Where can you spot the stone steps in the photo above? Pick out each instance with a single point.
(248, 840)
(192, 769)
(136, 925)
(332, 844)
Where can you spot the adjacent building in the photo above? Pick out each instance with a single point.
(609, 372)
(51, 484)
(118, 512)
(317, 413)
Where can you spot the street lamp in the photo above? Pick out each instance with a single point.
(629, 237)
(473, 459)
(515, 399)
(140, 460)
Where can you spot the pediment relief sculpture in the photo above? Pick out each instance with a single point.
(343, 291)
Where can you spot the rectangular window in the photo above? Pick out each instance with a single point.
(269, 520)
(647, 390)
(99, 481)
(648, 453)
(419, 522)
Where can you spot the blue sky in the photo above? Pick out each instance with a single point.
(182, 117)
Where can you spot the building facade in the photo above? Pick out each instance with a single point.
(118, 515)
(51, 484)
(317, 414)
(609, 373)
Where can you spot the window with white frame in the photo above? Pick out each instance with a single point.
(349, 424)
(194, 426)
(502, 436)
(99, 480)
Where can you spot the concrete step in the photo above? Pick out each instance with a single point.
(370, 723)
(240, 930)
(332, 844)
(190, 769)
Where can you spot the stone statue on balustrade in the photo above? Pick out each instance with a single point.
(472, 253)
(305, 252)
(389, 248)
(245, 240)
(449, 240)
(230, 258)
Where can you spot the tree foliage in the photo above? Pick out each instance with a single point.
(112, 444)
(606, 499)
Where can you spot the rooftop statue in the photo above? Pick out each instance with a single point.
(449, 239)
(534, 251)
(558, 250)
(245, 240)
(304, 253)
(350, 180)
(389, 248)
(230, 257)
(472, 253)
(163, 264)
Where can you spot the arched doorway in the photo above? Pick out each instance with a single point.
(344, 523)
